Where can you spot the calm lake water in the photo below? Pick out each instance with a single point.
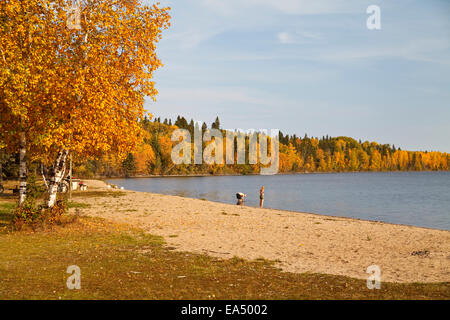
(411, 198)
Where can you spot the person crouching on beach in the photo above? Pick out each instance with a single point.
(261, 197)
(240, 196)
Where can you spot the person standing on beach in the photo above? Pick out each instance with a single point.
(261, 197)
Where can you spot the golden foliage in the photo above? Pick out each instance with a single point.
(80, 90)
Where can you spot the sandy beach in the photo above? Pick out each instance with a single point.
(298, 242)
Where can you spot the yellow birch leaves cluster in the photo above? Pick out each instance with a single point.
(78, 89)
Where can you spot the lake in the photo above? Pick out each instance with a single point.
(411, 198)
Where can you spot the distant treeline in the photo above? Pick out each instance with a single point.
(297, 154)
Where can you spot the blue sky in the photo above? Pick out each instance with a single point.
(311, 67)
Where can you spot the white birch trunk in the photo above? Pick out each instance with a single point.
(23, 169)
(43, 176)
(56, 176)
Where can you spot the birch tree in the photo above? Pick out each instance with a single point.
(92, 79)
(24, 56)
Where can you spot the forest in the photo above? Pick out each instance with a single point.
(296, 154)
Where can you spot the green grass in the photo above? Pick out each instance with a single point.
(6, 213)
(78, 205)
(121, 262)
(98, 194)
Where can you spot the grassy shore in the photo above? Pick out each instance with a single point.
(118, 261)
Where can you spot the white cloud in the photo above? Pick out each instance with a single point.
(240, 106)
(285, 38)
(194, 37)
(214, 17)
(297, 37)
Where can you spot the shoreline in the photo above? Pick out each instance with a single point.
(294, 212)
(247, 174)
(331, 214)
(298, 242)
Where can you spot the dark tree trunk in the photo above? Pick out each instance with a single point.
(1, 167)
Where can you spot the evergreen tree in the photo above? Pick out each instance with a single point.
(184, 123)
(191, 127)
(129, 165)
(177, 122)
(216, 124)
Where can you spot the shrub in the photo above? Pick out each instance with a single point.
(27, 214)
(34, 217)
(34, 190)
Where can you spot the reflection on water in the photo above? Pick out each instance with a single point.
(413, 198)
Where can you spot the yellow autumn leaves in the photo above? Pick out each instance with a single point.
(81, 90)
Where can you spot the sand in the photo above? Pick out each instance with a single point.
(298, 242)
